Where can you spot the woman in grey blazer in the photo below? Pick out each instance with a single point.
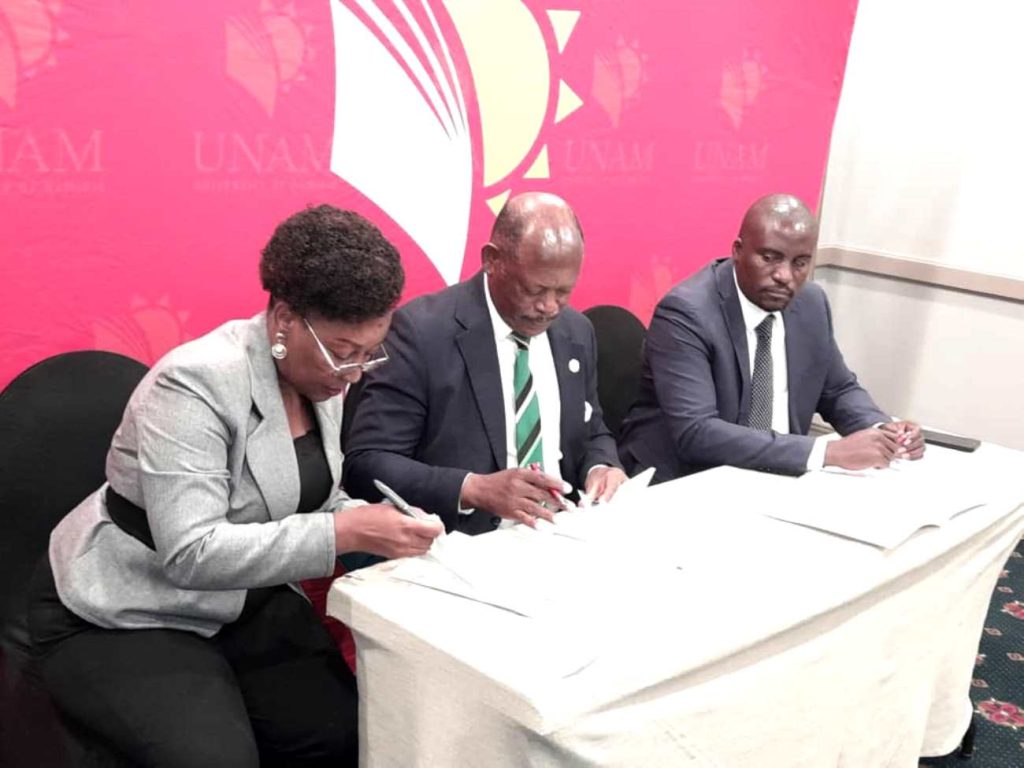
(166, 618)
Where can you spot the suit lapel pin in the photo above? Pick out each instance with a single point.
(574, 365)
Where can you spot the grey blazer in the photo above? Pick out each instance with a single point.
(204, 447)
(691, 412)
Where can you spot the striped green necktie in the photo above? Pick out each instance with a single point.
(528, 440)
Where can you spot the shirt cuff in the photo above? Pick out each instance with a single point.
(461, 511)
(816, 459)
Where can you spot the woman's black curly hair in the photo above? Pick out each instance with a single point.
(333, 264)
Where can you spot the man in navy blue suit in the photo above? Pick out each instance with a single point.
(490, 381)
(740, 356)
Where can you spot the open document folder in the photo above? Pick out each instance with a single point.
(492, 569)
(543, 571)
(880, 507)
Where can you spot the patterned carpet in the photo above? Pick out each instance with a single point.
(998, 686)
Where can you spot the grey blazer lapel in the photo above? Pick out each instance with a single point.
(476, 345)
(269, 450)
(733, 315)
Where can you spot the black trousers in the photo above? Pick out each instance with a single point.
(268, 689)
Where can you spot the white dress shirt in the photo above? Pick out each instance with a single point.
(545, 384)
(752, 317)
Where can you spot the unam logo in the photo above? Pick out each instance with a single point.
(741, 85)
(28, 33)
(147, 332)
(268, 52)
(618, 75)
(402, 136)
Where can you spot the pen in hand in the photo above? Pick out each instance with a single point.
(399, 503)
(563, 502)
(903, 437)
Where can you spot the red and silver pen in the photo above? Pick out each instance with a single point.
(564, 502)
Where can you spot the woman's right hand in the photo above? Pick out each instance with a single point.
(382, 530)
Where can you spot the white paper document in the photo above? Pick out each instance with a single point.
(594, 522)
(527, 572)
(478, 568)
(555, 569)
(880, 507)
(627, 492)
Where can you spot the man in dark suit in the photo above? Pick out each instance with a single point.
(740, 356)
(489, 381)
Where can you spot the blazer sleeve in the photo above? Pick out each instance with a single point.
(680, 358)
(389, 424)
(340, 500)
(844, 403)
(183, 446)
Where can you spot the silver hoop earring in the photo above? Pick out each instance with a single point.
(278, 350)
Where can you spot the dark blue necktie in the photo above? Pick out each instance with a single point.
(761, 378)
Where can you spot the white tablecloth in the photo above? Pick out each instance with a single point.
(772, 644)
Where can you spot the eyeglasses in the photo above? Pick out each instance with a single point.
(378, 357)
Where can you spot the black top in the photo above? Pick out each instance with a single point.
(314, 472)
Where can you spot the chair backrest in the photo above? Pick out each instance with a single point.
(620, 343)
(56, 422)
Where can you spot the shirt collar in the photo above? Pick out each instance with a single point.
(502, 330)
(752, 314)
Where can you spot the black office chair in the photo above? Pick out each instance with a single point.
(56, 422)
(620, 343)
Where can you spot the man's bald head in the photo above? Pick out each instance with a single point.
(532, 260)
(773, 251)
(780, 212)
(530, 213)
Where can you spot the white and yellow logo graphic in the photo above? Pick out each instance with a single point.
(401, 128)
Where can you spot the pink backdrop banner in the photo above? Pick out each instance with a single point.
(148, 149)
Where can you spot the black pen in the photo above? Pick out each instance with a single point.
(400, 504)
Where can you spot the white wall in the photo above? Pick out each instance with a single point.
(926, 153)
(948, 359)
(923, 180)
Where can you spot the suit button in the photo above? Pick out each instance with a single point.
(495, 521)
